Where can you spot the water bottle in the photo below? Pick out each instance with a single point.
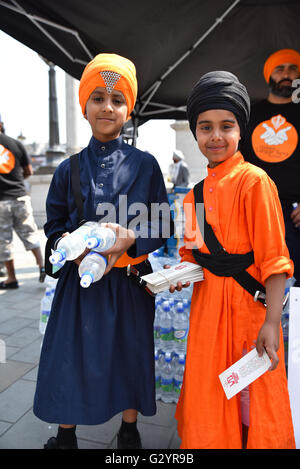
(178, 376)
(166, 329)
(172, 305)
(186, 306)
(154, 260)
(156, 325)
(167, 380)
(71, 246)
(285, 332)
(45, 309)
(157, 376)
(101, 238)
(180, 327)
(91, 268)
(290, 282)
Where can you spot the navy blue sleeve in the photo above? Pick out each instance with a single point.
(158, 225)
(57, 203)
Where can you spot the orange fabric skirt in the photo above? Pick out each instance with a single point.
(223, 319)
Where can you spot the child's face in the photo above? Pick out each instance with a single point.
(106, 113)
(218, 135)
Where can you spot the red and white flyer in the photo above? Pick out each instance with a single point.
(243, 372)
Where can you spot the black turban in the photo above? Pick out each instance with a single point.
(219, 90)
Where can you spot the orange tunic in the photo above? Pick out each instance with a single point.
(242, 205)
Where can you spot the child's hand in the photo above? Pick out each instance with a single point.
(268, 339)
(79, 258)
(179, 286)
(124, 240)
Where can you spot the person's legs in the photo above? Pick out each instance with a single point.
(40, 262)
(130, 415)
(11, 273)
(128, 436)
(2, 269)
(26, 229)
(6, 234)
(65, 438)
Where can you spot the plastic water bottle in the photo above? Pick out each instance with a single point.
(178, 376)
(186, 305)
(166, 329)
(101, 238)
(154, 260)
(167, 380)
(181, 328)
(91, 268)
(157, 376)
(46, 304)
(156, 325)
(285, 332)
(72, 245)
(290, 282)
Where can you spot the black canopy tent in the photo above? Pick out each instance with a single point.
(171, 42)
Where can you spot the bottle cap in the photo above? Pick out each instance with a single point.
(86, 279)
(181, 359)
(92, 242)
(57, 256)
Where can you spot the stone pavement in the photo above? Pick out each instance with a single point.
(20, 336)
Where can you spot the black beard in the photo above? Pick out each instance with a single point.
(282, 91)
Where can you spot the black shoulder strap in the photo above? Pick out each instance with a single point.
(209, 236)
(75, 180)
(243, 278)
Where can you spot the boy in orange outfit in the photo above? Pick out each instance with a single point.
(242, 206)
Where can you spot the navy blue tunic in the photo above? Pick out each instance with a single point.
(97, 354)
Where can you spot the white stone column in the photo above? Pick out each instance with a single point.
(72, 113)
(185, 142)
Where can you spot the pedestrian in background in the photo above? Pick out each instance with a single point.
(15, 208)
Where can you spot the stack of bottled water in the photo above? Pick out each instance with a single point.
(46, 304)
(171, 325)
(169, 370)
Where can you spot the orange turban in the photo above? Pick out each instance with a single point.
(110, 71)
(282, 56)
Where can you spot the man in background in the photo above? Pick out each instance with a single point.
(180, 174)
(15, 207)
(272, 141)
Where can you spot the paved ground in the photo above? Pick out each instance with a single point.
(19, 333)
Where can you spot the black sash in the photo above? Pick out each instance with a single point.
(220, 262)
